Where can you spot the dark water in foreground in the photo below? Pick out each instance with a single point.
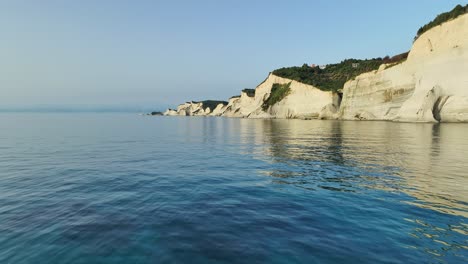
(116, 188)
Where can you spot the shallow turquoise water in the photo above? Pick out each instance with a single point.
(121, 188)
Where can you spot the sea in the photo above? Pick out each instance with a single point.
(126, 188)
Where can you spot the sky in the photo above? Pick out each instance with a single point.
(127, 53)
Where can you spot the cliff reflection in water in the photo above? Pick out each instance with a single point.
(422, 165)
(426, 161)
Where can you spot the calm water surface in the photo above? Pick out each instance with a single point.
(121, 188)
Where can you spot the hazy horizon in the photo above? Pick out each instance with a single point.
(155, 54)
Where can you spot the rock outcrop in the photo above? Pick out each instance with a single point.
(170, 112)
(202, 108)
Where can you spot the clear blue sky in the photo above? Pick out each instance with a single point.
(164, 52)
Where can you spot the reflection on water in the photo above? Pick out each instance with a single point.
(426, 161)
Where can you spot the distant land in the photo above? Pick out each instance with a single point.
(80, 108)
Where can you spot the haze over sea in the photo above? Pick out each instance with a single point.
(122, 188)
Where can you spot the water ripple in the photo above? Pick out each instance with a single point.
(127, 189)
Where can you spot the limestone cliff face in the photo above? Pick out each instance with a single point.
(233, 109)
(432, 85)
(189, 109)
(303, 101)
(377, 95)
(170, 112)
(219, 110)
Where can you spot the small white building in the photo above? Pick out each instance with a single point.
(355, 65)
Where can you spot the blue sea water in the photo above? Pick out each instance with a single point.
(122, 188)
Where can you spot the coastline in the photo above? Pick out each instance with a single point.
(426, 86)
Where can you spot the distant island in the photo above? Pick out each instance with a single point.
(427, 84)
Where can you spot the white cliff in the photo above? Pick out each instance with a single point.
(303, 101)
(202, 108)
(219, 110)
(190, 109)
(377, 95)
(432, 85)
(170, 112)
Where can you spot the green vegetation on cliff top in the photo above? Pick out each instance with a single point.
(334, 76)
(211, 104)
(444, 17)
(249, 92)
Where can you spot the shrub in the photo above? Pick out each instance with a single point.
(278, 93)
(444, 17)
(333, 77)
(249, 92)
(211, 104)
(396, 59)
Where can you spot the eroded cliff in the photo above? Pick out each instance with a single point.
(430, 86)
